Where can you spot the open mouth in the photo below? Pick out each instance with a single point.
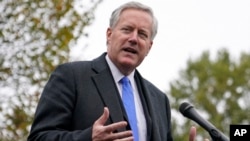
(130, 50)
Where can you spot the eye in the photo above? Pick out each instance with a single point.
(143, 34)
(125, 29)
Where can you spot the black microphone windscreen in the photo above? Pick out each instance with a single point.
(188, 111)
(184, 106)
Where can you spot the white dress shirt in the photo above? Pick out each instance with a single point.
(141, 121)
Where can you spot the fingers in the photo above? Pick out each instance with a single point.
(101, 132)
(113, 127)
(192, 133)
(122, 136)
(125, 139)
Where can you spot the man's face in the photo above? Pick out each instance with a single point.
(130, 40)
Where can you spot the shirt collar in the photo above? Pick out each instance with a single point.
(116, 72)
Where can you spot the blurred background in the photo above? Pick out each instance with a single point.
(201, 55)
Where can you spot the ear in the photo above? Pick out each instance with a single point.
(108, 34)
(150, 46)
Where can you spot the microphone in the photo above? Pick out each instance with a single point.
(189, 111)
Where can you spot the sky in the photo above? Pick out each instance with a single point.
(186, 29)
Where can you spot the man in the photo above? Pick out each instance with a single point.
(82, 101)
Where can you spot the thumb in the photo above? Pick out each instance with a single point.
(104, 117)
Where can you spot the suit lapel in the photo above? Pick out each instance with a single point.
(144, 100)
(107, 89)
(148, 105)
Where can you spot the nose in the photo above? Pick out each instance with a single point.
(133, 39)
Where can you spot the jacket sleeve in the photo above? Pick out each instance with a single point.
(54, 114)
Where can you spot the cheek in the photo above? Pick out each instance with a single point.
(114, 40)
(148, 47)
(148, 50)
(145, 49)
(113, 47)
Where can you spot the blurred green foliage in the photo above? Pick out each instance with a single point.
(218, 88)
(35, 36)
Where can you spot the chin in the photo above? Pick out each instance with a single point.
(128, 64)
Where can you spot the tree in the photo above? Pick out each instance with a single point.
(219, 89)
(35, 36)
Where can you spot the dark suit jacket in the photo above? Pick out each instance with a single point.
(74, 98)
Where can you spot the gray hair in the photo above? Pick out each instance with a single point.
(134, 5)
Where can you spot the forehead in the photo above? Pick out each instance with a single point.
(136, 16)
(134, 11)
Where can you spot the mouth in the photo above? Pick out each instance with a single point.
(130, 50)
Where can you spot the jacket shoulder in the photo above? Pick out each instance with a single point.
(152, 87)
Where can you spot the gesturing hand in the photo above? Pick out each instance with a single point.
(101, 132)
(192, 134)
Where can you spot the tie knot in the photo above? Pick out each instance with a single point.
(124, 80)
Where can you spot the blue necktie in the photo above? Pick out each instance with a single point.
(129, 104)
